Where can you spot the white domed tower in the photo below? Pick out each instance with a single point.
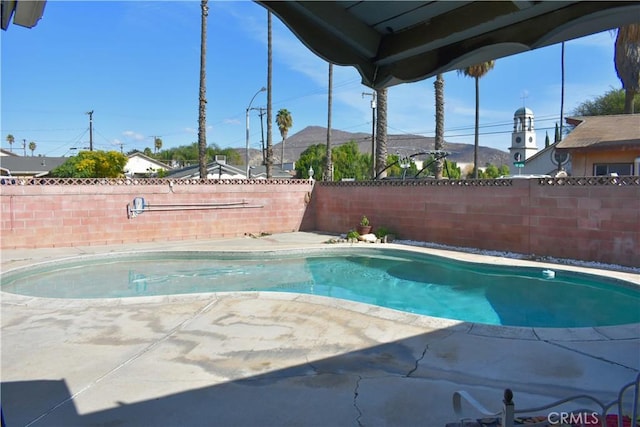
(523, 138)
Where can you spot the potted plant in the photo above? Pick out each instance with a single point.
(384, 234)
(353, 236)
(364, 227)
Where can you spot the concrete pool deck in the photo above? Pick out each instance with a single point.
(276, 359)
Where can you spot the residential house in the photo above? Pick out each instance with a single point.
(219, 169)
(141, 166)
(29, 166)
(603, 145)
(544, 162)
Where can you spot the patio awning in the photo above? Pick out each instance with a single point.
(392, 42)
(26, 13)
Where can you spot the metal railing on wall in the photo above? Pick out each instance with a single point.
(14, 180)
(500, 182)
(592, 181)
(140, 206)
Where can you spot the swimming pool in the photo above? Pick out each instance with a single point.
(398, 279)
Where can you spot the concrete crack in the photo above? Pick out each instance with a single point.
(355, 400)
(313, 367)
(583, 353)
(415, 367)
(130, 360)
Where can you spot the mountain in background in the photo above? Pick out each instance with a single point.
(405, 144)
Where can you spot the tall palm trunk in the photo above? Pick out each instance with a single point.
(439, 143)
(477, 71)
(328, 171)
(202, 108)
(476, 137)
(269, 165)
(627, 63)
(562, 91)
(381, 134)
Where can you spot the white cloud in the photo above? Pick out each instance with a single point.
(231, 121)
(298, 58)
(605, 39)
(133, 135)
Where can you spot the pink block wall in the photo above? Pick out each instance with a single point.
(74, 215)
(584, 222)
(592, 223)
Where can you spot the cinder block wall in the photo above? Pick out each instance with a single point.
(591, 223)
(74, 215)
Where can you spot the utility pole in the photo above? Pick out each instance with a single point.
(90, 113)
(373, 130)
(24, 147)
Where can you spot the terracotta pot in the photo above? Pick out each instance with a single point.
(364, 229)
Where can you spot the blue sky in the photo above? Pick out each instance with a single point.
(136, 65)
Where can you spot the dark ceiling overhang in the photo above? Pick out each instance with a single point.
(392, 42)
(26, 13)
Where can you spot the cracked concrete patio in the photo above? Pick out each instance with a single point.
(277, 359)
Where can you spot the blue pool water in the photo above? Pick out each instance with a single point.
(402, 280)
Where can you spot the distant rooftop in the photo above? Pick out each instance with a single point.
(603, 131)
(28, 165)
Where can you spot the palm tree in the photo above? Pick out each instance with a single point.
(32, 147)
(439, 143)
(381, 133)
(562, 90)
(627, 62)
(328, 171)
(202, 108)
(157, 144)
(284, 122)
(11, 139)
(269, 165)
(477, 71)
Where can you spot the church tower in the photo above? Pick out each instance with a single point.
(523, 138)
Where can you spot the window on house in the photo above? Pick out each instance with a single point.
(621, 169)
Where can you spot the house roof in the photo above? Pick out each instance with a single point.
(276, 172)
(596, 132)
(226, 171)
(21, 165)
(392, 42)
(149, 159)
(213, 168)
(4, 152)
